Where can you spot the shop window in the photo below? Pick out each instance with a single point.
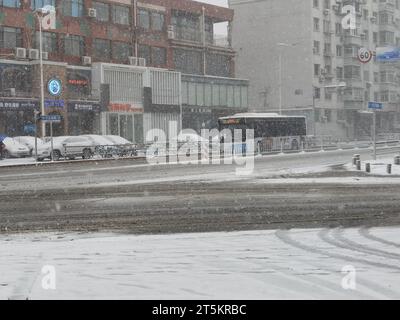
(78, 83)
(18, 78)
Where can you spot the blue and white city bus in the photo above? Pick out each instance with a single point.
(272, 132)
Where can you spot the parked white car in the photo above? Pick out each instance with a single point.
(67, 147)
(109, 146)
(29, 142)
(14, 149)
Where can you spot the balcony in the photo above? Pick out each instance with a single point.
(387, 6)
(350, 39)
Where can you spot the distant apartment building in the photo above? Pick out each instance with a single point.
(126, 66)
(322, 77)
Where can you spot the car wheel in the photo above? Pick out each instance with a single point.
(87, 154)
(6, 154)
(40, 159)
(56, 155)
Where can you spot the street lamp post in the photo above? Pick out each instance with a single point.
(281, 44)
(39, 16)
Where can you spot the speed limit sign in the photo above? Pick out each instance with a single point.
(364, 55)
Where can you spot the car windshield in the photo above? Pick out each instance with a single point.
(189, 150)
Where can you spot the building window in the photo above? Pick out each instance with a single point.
(316, 24)
(144, 52)
(37, 4)
(158, 56)
(157, 21)
(74, 46)
(144, 19)
(10, 3)
(151, 20)
(73, 8)
(120, 15)
(339, 51)
(188, 61)
(121, 50)
(102, 11)
(102, 49)
(316, 47)
(10, 37)
(49, 41)
(218, 65)
(187, 26)
(317, 70)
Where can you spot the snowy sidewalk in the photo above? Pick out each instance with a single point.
(297, 264)
(378, 167)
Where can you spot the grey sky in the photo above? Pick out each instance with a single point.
(221, 29)
(216, 2)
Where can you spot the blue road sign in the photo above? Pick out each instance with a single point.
(387, 54)
(51, 118)
(375, 105)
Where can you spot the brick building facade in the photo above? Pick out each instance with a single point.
(168, 35)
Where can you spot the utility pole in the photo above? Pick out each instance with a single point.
(42, 109)
(374, 133)
(280, 83)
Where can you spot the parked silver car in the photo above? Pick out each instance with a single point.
(68, 147)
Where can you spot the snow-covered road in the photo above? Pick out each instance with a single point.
(293, 264)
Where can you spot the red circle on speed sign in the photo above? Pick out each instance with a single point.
(364, 55)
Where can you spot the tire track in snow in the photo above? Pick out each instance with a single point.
(387, 293)
(351, 245)
(366, 233)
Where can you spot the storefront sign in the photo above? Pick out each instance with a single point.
(82, 106)
(54, 103)
(18, 105)
(122, 107)
(78, 82)
(54, 87)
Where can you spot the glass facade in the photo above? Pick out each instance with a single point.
(215, 94)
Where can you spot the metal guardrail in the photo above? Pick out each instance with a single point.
(209, 150)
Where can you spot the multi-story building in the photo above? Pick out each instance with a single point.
(300, 56)
(125, 65)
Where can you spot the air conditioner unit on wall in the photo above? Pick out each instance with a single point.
(133, 61)
(33, 54)
(20, 53)
(45, 55)
(92, 13)
(142, 62)
(86, 60)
